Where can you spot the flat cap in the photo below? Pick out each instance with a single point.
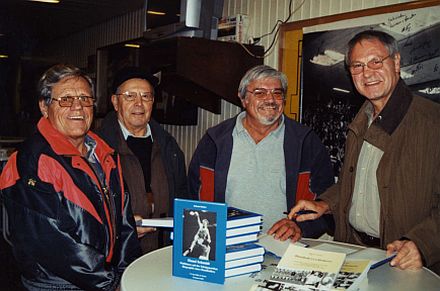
(128, 73)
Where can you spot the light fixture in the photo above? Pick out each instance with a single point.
(132, 45)
(46, 1)
(3, 56)
(341, 90)
(155, 12)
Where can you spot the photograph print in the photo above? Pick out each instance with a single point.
(329, 98)
(199, 234)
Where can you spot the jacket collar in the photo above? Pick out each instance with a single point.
(61, 146)
(395, 109)
(390, 116)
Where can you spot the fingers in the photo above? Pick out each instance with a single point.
(408, 255)
(285, 229)
(313, 209)
(141, 231)
(301, 205)
(394, 247)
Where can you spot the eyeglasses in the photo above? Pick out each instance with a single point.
(374, 64)
(131, 96)
(67, 101)
(262, 93)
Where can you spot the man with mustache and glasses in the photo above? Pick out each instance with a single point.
(153, 163)
(388, 192)
(69, 220)
(261, 160)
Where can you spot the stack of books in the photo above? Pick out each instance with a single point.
(242, 230)
(213, 242)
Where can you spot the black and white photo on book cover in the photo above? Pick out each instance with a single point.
(199, 231)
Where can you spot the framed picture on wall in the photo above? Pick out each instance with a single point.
(328, 100)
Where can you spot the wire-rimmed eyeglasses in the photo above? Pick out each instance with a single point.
(131, 96)
(374, 64)
(262, 93)
(67, 101)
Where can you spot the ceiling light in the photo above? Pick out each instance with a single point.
(46, 1)
(341, 90)
(133, 45)
(155, 12)
(3, 56)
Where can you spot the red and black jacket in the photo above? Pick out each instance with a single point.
(67, 229)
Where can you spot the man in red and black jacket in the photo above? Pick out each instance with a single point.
(69, 219)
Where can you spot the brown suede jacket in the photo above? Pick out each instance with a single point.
(408, 175)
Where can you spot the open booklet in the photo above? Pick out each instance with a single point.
(304, 269)
(325, 266)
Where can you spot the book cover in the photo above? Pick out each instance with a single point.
(240, 251)
(247, 229)
(241, 239)
(351, 275)
(240, 217)
(199, 244)
(308, 268)
(244, 262)
(166, 222)
(242, 270)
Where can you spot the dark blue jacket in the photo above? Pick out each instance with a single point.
(308, 168)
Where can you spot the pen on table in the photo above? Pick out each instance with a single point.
(382, 262)
(300, 212)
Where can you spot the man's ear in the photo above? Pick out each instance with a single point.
(115, 102)
(242, 100)
(397, 62)
(43, 108)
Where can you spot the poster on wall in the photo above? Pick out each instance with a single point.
(330, 100)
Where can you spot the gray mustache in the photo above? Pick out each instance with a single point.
(269, 105)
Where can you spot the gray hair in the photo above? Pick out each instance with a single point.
(387, 40)
(55, 74)
(260, 72)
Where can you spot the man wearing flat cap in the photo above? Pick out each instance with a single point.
(153, 164)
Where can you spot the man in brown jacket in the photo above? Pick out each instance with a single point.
(152, 162)
(388, 191)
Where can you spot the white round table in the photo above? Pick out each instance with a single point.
(153, 271)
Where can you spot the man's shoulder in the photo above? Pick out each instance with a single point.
(162, 136)
(294, 127)
(224, 127)
(427, 109)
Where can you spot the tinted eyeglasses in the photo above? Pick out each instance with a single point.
(374, 64)
(67, 101)
(131, 96)
(262, 93)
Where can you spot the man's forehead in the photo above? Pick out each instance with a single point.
(136, 82)
(265, 81)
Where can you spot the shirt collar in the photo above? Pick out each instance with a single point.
(126, 133)
(90, 144)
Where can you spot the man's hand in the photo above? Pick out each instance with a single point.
(408, 255)
(319, 207)
(141, 230)
(285, 229)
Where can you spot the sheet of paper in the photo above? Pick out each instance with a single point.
(272, 245)
(337, 248)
